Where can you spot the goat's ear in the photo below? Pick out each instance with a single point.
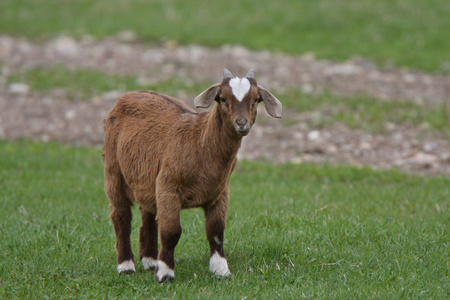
(205, 99)
(272, 104)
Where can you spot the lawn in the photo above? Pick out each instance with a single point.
(411, 33)
(293, 231)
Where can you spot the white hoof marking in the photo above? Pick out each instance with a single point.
(126, 267)
(164, 272)
(216, 239)
(218, 265)
(148, 263)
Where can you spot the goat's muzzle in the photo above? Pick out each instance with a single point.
(242, 126)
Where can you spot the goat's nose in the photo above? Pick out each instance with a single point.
(241, 122)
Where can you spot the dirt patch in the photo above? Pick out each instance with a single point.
(52, 116)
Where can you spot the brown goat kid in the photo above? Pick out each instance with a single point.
(165, 156)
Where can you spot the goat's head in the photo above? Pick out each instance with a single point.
(237, 100)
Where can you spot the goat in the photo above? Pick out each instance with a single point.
(165, 156)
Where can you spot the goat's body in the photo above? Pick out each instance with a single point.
(165, 156)
(185, 165)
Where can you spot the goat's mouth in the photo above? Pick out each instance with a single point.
(242, 131)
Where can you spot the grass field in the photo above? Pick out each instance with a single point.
(293, 231)
(411, 33)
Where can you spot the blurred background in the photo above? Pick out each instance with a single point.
(361, 82)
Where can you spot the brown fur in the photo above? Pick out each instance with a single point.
(165, 156)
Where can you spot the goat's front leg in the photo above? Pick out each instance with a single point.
(168, 216)
(215, 226)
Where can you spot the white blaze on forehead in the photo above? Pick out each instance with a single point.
(239, 87)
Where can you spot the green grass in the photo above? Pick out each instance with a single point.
(293, 231)
(412, 33)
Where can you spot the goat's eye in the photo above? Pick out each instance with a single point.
(223, 100)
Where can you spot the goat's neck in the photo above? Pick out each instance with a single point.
(223, 142)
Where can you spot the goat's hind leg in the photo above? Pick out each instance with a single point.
(121, 218)
(148, 239)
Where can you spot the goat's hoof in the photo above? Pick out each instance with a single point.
(222, 275)
(164, 278)
(148, 263)
(126, 267)
(163, 272)
(218, 266)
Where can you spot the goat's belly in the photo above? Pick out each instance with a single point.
(193, 202)
(148, 202)
(145, 198)
(191, 199)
